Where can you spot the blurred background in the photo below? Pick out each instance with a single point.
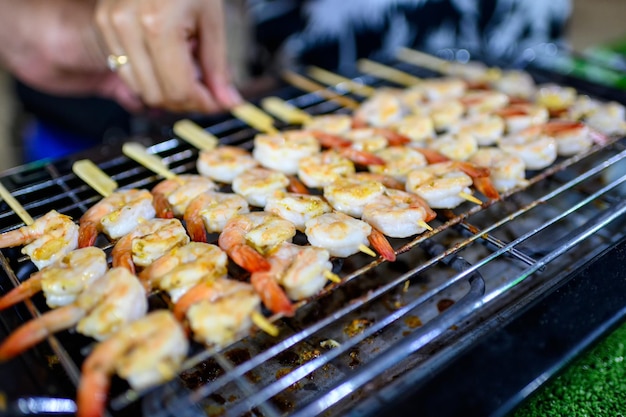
(592, 23)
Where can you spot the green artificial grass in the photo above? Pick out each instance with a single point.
(594, 385)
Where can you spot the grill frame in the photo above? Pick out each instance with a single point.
(79, 197)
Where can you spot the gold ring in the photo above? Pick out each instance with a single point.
(114, 62)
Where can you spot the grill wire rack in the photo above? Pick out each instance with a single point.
(346, 350)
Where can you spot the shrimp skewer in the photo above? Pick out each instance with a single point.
(507, 171)
(47, 240)
(224, 163)
(210, 211)
(115, 215)
(282, 152)
(62, 281)
(246, 237)
(172, 196)
(149, 241)
(297, 208)
(256, 184)
(183, 267)
(108, 304)
(146, 352)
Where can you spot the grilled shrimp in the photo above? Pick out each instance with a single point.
(210, 211)
(342, 235)
(224, 163)
(571, 137)
(100, 310)
(336, 124)
(174, 195)
(457, 147)
(283, 151)
(555, 98)
(183, 267)
(256, 184)
(247, 236)
(507, 171)
(297, 208)
(115, 215)
(608, 118)
(382, 109)
(62, 281)
(485, 128)
(324, 168)
(300, 270)
(398, 214)
(145, 352)
(419, 128)
(218, 311)
(349, 196)
(537, 150)
(47, 240)
(444, 113)
(149, 241)
(515, 83)
(523, 115)
(484, 101)
(444, 88)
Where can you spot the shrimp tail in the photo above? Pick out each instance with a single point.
(485, 186)
(23, 291)
(329, 140)
(382, 245)
(87, 234)
(17, 237)
(248, 258)
(196, 230)
(199, 292)
(34, 331)
(92, 394)
(432, 157)
(361, 157)
(297, 186)
(358, 123)
(272, 294)
(162, 207)
(123, 259)
(394, 138)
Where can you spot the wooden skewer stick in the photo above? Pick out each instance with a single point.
(387, 73)
(195, 135)
(470, 198)
(367, 251)
(140, 154)
(285, 111)
(305, 84)
(330, 78)
(94, 177)
(264, 324)
(422, 59)
(329, 275)
(15, 205)
(424, 225)
(255, 117)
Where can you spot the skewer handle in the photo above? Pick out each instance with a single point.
(285, 111)
(195, 135)
(139, 153)
(305, 84)
(330, 78)
(424, 60)
(255, 117)
(387, 73)
(17, 207)
(94, 177)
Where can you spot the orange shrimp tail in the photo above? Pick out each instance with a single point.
(272, 294)
(297, 186)
(36, 330)
(382, 245)
(196, 230)
(123, 259)
(328, 140)
(248, 258)
(162, 206)
(87, 234)
(417, 201)
(92, 392)
(199, 292)
(472, 170)
(23, 291)
(394, 138)
(361, 157)
(432, 157)
(485, 186)
(358, 123)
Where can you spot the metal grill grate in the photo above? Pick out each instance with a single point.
(384, 318)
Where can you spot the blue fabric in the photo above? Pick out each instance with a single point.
(43, 140)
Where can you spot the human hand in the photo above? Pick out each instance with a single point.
(176, 51)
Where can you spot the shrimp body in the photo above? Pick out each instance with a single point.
(571, 137)
(180, 191)
(219, 311)
(115, 215)
(338, 233)
(256, 184)
(608, 118)
(439, 89)
(399, 161)
(523, 115)
(336, 124)
(224, 163)
(183, 267)
(507, 171)
(555, 98)
(398, 214)
(210, 211)
(536, 150)
(349, 195)
(444, 113)
(324, 168)
(282, 152)
(297, 208)
(246, 236)
(484, 101)
(382, 109)
(149, 241)
(146, 352)
(485, 128)
(457, 147)
(62, 281)
(109, 303)
(47, 240)
(418, 128)
(439, 184)
(515, 83)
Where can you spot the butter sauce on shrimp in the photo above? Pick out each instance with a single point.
(283, 151)
(349, 195)
(323, 169)
(210, 211)
(147, 352)
(256, 184)
(297, 208)
(115, 215)
(113, 300)
(149, 241)
(47, 240)
(62, 281)
(174, 195)
(224, 163)
(458, 147)
(399, 161)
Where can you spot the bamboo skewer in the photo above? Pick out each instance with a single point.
(255, 117)
(330, 78)
(387, 73)
(306, 84)
(15, 206)
(94, 177)
(195, 135)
